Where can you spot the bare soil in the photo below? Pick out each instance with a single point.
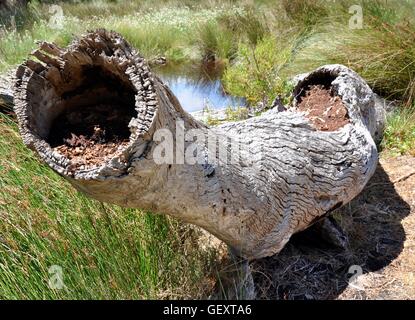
(325, 111)
(89, 135)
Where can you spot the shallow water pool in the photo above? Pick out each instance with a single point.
(197, 88)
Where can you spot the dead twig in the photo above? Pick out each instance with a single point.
(404, 177)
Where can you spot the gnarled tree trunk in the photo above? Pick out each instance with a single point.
(288, 174)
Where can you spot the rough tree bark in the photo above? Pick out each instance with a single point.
(288, 177)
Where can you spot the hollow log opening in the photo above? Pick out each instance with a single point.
(95, 117)
(325, 110)
(321, 104)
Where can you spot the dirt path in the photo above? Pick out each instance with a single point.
(380, 224)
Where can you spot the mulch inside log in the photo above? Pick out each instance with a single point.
(89, 135)
(325, 111)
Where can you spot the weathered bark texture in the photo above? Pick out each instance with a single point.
(291, 175)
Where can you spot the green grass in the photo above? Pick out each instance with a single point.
(176, 31)
(105, 252)
(216, 42)
(399, 137)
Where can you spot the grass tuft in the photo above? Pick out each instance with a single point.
(399, 137)
(256, 73)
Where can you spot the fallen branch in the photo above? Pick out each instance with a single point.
(404, 177)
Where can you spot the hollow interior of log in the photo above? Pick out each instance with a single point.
(320, 103)
(94, 120)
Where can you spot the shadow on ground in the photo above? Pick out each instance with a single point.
(309, 268)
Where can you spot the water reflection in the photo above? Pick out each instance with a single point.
(197, 88)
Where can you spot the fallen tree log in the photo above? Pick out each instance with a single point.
(96, 114)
